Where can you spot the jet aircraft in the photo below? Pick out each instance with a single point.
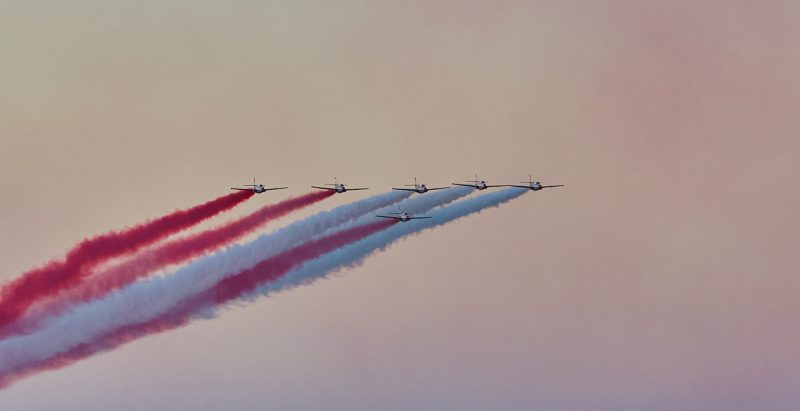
(338, 187)
(534, 185)
(477, 184)
(257, 188)
(402, 217)
(418, 188)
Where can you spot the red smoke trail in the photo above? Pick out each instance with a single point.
(17, 295)
(172, 252)
(225, 291)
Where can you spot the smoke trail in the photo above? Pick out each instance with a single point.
(22, 356)
(226, 290)
(153, 296)
(417, 204)
(172, 252)
(157, 295)
(353, 254)
(17, 295)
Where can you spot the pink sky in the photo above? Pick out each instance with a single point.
(662, 277)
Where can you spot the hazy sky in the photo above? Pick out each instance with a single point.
(662, 277)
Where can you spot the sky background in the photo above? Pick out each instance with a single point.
(662, 277)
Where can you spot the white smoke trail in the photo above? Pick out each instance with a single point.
(353, 254)
(150, 297)
(147, 299)
(416, 205)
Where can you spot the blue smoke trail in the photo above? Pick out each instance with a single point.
(147, 299)
(353, 254)
(150, 297)
(419, 203)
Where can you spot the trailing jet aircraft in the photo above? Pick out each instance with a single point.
(257, 188)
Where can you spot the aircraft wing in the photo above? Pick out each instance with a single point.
(242, 189)
(417, 218)
(437, 188)
(360, 188)
(514, 185)
(387, 216)
(557, 185)
(275, 188)
(463, 185)
(324, 188)
(500, 185)
(401, 189)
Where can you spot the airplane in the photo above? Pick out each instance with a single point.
(419, 188)
(402, 217)
(479, 184)
(534, 185)
(257, 188)
(338, 187)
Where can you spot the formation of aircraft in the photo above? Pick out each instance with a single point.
(402, 217)
(418, 188)
(338, 187)
(257, 188)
